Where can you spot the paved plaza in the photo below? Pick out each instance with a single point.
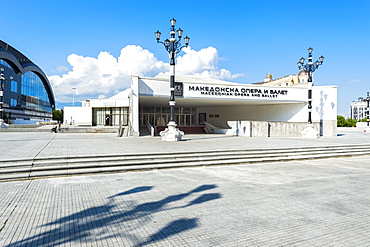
(323, 202)
(18, 145)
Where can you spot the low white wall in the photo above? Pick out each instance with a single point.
(281, 129)
(362, 124)
(77, 115)
(278, 129)
(328, 128)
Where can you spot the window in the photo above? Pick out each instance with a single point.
(3, 62)
(159, 116)
(110, 116)
(14, 86)
(13, 102)
(34, 95)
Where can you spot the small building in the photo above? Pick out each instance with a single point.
(100, 112)
(27, 96)
(359, 108)
(203, 105)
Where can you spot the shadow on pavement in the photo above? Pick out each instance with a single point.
(94, 223)
(134, 190)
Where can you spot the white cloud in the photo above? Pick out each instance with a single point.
(356, 80)
(202, 63)
(61, 69)
(135, 60)
(105, 75)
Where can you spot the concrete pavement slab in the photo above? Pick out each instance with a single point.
(299, 203)
(14, 145)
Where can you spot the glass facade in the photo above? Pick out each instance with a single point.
(14, 86)
(25, 92)
(27, 95)
(33, 93)
(110, 116)
(13, 102)
(159, 116)
(5, 63)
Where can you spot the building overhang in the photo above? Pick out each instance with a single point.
(205, 94)
(163, 100)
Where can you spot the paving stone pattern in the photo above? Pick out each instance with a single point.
(17, 145)
(301, 203)
(323, 202)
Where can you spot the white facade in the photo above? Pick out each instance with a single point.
(222, 101)
(89, 113)
(359, 109)
(216, 102)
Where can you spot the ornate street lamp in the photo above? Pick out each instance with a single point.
(309, 68)
(367, 112)
(172, 46)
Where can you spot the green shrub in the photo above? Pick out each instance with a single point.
(349, 122)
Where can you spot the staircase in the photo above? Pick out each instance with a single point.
(83, 165)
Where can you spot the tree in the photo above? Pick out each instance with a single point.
(58, 115)
(351, 122)
(341, 121)
(363, 120)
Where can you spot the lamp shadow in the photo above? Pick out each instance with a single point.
(82, 227)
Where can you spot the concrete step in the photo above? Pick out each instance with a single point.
(174, 159)
(206, 160)
(235, 154)
(76, 170)
(77, 165)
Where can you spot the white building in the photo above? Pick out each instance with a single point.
(359, 109)
(271, 108)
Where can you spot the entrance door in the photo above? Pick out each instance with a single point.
(108, 120)
(202, 118)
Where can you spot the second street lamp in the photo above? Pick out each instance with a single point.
(309, 68)
(172, 46)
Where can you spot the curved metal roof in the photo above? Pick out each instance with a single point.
(21, 64)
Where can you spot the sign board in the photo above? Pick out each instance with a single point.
(109, 103)
(244, 92)
(179, 88)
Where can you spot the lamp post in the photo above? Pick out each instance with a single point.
(367, 109)
(172, 46)
(309, 68)
(73, 96)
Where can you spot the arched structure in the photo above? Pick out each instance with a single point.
(27, 93)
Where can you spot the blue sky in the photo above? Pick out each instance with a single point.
(251, 38)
